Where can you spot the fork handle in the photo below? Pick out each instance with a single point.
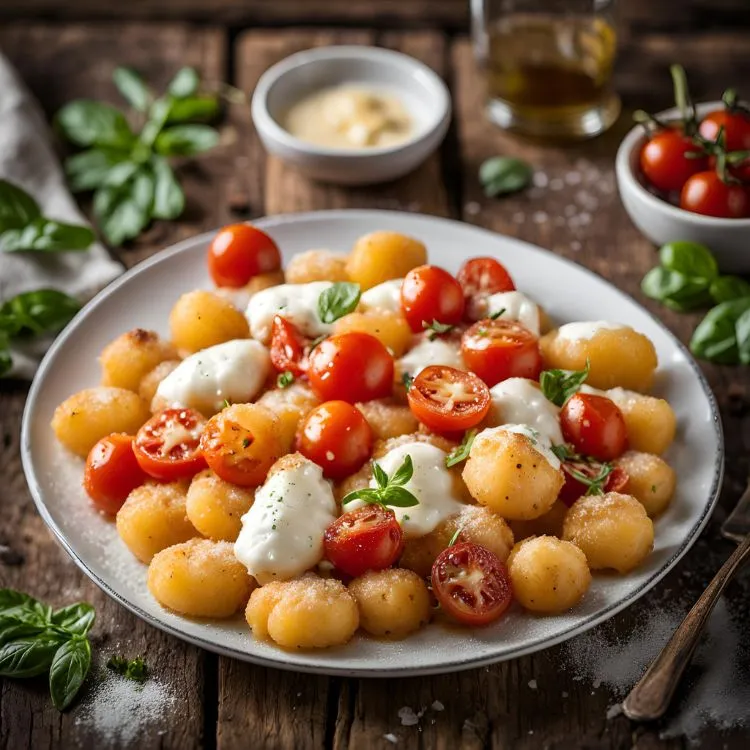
(651, 695)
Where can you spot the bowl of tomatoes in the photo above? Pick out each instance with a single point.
(684, 174)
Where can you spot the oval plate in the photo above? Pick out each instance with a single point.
(143, 298)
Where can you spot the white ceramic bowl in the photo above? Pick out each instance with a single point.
(422, 91)
(661, 222)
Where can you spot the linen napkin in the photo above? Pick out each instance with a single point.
(28, 160)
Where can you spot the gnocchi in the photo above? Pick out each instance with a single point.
(130, 357)
(201, 319)
(651, 480)
(215, 507)
(381, 256)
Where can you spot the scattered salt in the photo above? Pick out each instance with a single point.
(575, 246)
(437, 706)
(472, 208)
(539, 217)
(408, 717)
(519, 217)
(556, 184)
(391, 738)
(614, 711)
(564, 694)
(540, 179)
(573, 178)
(532, 684)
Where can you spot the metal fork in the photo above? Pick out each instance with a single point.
(651, 695)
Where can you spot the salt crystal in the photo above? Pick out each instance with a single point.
(597, 683)
(570, 210)
(614, 711)
(556, 184)
(408, 717)
(532, 684)
(519, 217)
(531, 731)
(437, 706)
(573, 178)
(564, 694)
(575, 246)
(391, 738)
(539, 217)
(472, 208)
(540, 179)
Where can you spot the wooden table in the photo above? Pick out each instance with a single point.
(573, 209)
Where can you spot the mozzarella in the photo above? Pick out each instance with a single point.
(520, 401)
(298, 303)
(282, 533)
(584, 330)
(234, 371)
(541, 443)
(515, 306)
(385, 296)
(436, 352)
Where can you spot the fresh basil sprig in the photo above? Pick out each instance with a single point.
(338, 300)
(390, 491)
(34, 639)
(436, 328)
(23, 228)
(461, 452)
(130, 669)
(559, 385)
(504, 174)
(723, 336)
(127, 167)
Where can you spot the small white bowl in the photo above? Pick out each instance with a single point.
(661, 222)
(420, 89)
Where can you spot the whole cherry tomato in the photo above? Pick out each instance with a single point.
(595, 426)
(480, 278)
(706, 193)
(287, 347)
(664, 160)
(735, 127)
(430, 293)
(240, 251)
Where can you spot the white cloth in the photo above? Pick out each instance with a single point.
(28, 160)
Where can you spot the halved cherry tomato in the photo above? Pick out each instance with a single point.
(664, 162)
(368, 538)
(112, 472)
(430, 293)
(595, 426)
(351, 367)
(574, 488)
(287, 347)
(448, 400)
(735, 127)
(500, 349)
(166, 447)
(240, 251)
(706, 193)
(479, 278)
(471, 584)
(337, 437)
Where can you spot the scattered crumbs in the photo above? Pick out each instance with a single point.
(472, 208)
(564, 693)
(533, 684)
(391, 738)
(437, 706)
(408, 717)
(614, 711)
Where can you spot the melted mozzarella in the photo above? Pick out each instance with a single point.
(516, 306)
(431, 483)
(426, 353)
(298, 303)
(234, 371)
(519, 401)
(282, 533)
(585, 330)
(541, 443)
(385, 296)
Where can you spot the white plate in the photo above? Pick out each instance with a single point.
(143, 298)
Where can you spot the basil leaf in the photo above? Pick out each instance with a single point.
(184, 84)
(46, 235)
(367, 494)
(6, 361)
(169, 200)
(690, 259)
(158, 116)
(132, 88)
(186, 140)
(338, 300)
(727, 288)
(17, 207)
(29, 656)
(68, 670)
(398, 497)
(194, 108)
(504, 174)
(676, 290)
(742, 330)
(559, 385)
(14, 602)
(13, 628)
(715, 338)
(89, 123)
(380, 476)
(75, 618)
(121, 173)
(461, 453)
(40, 311)
(89, 169)
(119, 215)
(404, 472)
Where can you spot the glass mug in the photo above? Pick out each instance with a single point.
(548, 65)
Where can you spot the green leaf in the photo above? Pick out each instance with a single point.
(6, 361)
(379, 474)
(89, 169)
(436, 328)
(200, 108)
(121, 173)
(13, 602)
(89, 123)
(119, 215)
(17, 207)
(76, 618)
(68, 670)
(715, 338)
(403, 474)
(338, 300)
(40, 311)
(742, 329)
(399, 497)
(690, 259)
(45, 235)
(157, 118)
(284, 379)
(185, 83)
(134, 669)
(169, 200)
(559, 385)
(29, 656)
(132, 87)
(461, 452)
(676, 290)
(367, 494)
(14, 628)
(407, 380)
(504, 174)
(186, 140)
(727, 288)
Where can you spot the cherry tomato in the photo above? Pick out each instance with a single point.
(287, 347)
(337, 437)
(735, 128)
(239, 252)
(706, 193)
(574, 488)
(479, 278)
(351, 367)
(112, 472)
(595, 426)
(368, 538)
(448, 400)
(500, 349)
(430, 293)
(664, 163)
(471, 584)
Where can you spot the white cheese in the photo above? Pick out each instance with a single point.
(234, 371)
(540, 443)
(282, 533)
(298, 303)
(385, 296)
(515, 306)
(426, 353)
(584, 330)
(520, 401)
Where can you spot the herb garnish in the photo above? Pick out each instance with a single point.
(496, 315)
(338, 300)
(390, 491)
(456, 534)
(436, 328)
(500, 175)
(461, 452)
(559, 385)
(577, 465)
(407, 380)
(132, 669)
(284, 379)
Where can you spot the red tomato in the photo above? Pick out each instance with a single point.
(112, 472)
(479, 278)
(471, 584)
(664, 163)
(595, 426)
(351, 367)
(287, 347)
(337, 437)
(706, 193)
(368, 538)
(448, 400)
(430, 293)
(500, 349)
(574, 488)
(239, 252)
(167, 445)
(735, 128)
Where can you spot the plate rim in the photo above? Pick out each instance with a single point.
(463, 663)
